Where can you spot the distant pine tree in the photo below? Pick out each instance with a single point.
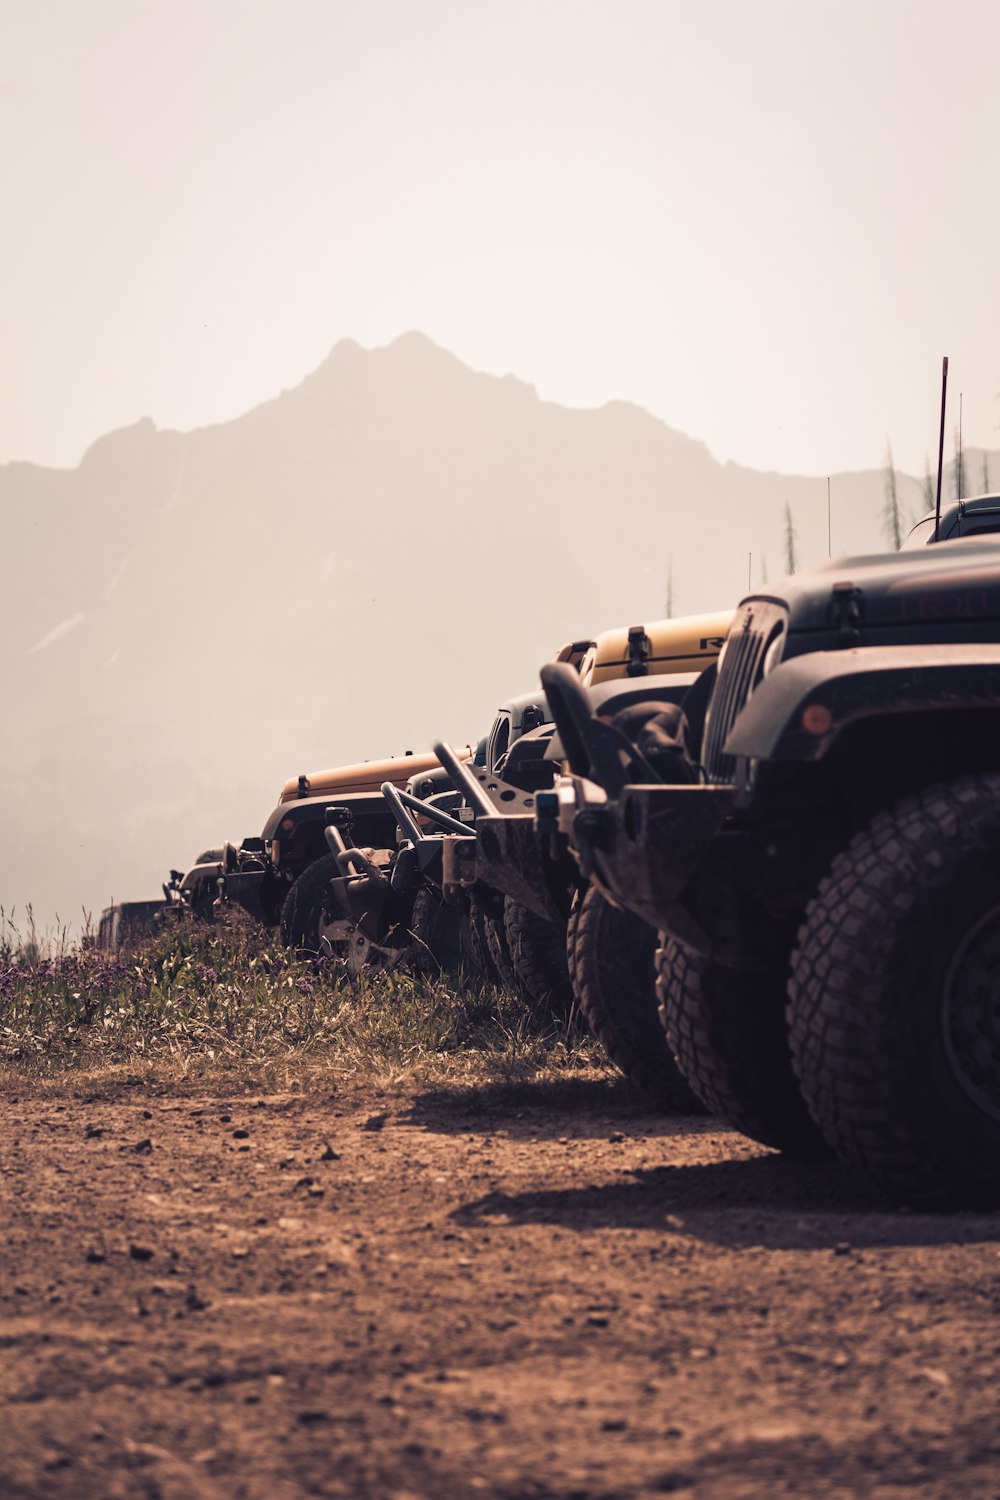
(891, 517)
(958, 472)
(930, 488)
(986, 473)
(791, 539)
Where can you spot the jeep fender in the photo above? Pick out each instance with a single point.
(799, 711)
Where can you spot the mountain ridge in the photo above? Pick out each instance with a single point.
(359, 564)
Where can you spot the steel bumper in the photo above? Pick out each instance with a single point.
(509, 856)
(643, 847)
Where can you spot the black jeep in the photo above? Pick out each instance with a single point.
(823, 861)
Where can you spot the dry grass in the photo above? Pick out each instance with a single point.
(227, 1003)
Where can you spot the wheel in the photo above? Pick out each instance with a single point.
(479, 940)
(315, 926)
(202, 901)
(442, 937)
(490, 941)
(496, 942)
(726, 1027)
(614, 975)
(537, 950)
(894, 1003)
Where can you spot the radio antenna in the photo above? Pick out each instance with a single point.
(944, 398)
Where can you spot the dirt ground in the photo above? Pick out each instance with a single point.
(522, 1292)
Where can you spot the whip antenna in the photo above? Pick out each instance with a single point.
(944, 395)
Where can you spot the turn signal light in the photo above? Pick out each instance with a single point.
(817, 719)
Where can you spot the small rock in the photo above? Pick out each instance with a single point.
(598, 1320)
(338, 1253)
(241, 1134)
(141, 1252)
(93, 1133)
(614, 1424)
(843, 1248)
(328, 1153)
(143, 1146)
(313, 1418)
(375, 1122)
(616, 1137)
(94, 1257)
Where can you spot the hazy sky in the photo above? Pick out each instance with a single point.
(764, 221)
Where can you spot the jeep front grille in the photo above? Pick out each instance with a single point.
(740, 669)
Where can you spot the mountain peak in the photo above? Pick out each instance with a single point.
(131, 439)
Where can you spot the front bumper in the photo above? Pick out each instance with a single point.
(643, 847)
(510, 857)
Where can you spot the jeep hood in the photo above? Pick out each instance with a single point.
(364, 776)
(685, 645)
(952, 582)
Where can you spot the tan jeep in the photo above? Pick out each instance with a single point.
(657, 648)
(260, 874)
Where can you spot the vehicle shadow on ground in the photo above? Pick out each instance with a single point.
(762, 1200)
(547, 1108)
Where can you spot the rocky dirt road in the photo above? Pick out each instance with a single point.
(525, 1294)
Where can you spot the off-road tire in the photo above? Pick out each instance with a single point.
(489, 944)
(726, 1027)
(537, 949)
(203, 901)
(894, 1010)
(302, 909)
(302, 919)
(442, 937)
(571, 926)
(611, 956)
(496, 939)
